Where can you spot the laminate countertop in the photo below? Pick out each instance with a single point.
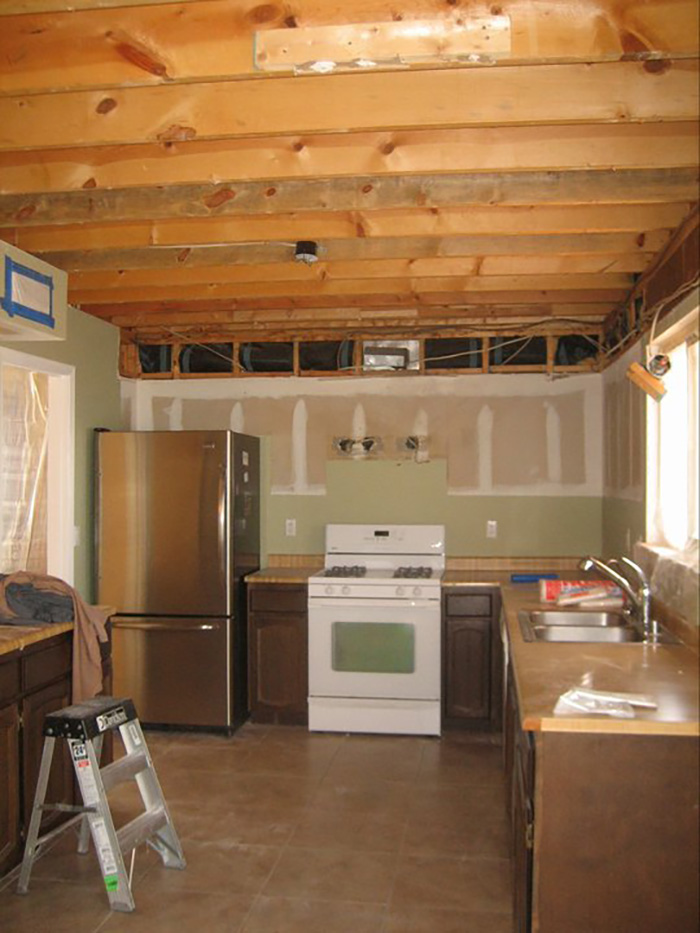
(298, 575)
(668, 674)
(17, 637)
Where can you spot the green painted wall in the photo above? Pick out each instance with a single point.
(623, 526)
(396, 492)
(92, 347)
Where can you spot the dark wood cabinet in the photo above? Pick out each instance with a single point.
(520, 791)
(278, 663)
(9, 787)
(604, 829)
(33, 682)
(472, 658)
(60, 788)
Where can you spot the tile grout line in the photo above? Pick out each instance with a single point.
(400, 850)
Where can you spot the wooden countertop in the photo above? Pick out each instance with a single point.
(17, 637)
(543, 671)
(299, 575)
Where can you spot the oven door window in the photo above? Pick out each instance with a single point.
(374, 647)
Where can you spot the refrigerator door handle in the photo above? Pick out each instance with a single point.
(164, 627)
(223, 506)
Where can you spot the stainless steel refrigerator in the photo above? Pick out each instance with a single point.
(178, 528)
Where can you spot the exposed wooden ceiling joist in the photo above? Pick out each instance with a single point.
(143, 151)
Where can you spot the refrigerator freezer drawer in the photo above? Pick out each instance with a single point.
(174, 669)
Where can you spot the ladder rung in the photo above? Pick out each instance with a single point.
(140, 829)
(123, 769)
(66, 808)
(57, 830)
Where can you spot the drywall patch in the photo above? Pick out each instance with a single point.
(519, 443)
(300, 422)
(491, 442)
(553, 431)
(573, 443)
(237, 419)
(206, 416)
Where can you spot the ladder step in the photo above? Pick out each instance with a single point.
(123, 769)
(140, 829)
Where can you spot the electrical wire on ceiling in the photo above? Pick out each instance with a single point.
(653, 313)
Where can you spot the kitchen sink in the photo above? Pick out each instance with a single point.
(577, 617)
(583, 626)
(586, 633)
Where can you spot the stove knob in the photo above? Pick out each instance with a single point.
(400, 591)
(417, 591)
(329, 591)
(345, 590)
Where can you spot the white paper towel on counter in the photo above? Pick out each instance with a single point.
(602, 703)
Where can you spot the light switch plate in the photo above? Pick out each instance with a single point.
(491, 529)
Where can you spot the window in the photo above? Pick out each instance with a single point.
(36, 465)
(672, 441)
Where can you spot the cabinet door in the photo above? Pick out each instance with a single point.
(468, 668)
(522, 842)
(9, 787)
(60, 789)
(278, 672)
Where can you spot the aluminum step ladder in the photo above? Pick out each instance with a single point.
(84, 726)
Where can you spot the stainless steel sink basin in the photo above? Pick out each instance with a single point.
(586, 633)
(577, 617)
(583, 626)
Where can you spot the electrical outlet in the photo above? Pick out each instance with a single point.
(290, 527)
(491, 529)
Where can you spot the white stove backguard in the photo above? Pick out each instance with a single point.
(399, 544)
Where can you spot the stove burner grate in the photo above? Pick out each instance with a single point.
(412, 573)
(356, 570)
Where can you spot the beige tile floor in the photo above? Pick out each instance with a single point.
(288, 832)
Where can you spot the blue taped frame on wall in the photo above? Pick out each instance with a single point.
(12, 302)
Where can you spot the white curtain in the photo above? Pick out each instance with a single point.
(23, 467)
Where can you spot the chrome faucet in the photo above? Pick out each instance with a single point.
(639, 596)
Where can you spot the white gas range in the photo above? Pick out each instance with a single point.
(374, 630)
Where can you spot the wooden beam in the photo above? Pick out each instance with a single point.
(472, 221)
(487, 149)
(567, 304)
(562, 316)
(151, 42)
(359, 193)
(639, 247)
(465, 285)
(608, 92)
(329, 273)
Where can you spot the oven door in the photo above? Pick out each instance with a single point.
(374, 648)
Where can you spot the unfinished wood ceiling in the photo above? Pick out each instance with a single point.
(459, 164)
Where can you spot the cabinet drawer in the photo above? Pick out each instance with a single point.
(9, 680)
(471, 604)
(278, 599)
(41, 667)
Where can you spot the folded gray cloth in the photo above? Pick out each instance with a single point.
(16, 620)
(37, 605)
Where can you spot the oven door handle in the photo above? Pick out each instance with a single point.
(320, 602)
